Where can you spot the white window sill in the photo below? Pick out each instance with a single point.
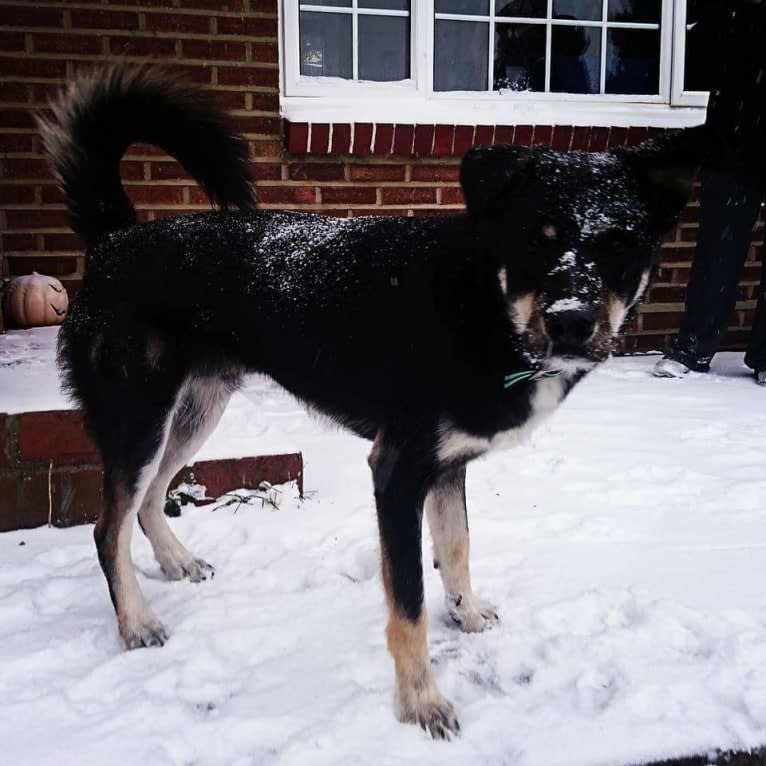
(473, 109)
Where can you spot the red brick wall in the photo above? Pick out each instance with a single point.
(50, 471)
(230, 46)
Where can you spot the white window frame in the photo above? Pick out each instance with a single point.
(679, 95)
(318, 87)
(414, 101)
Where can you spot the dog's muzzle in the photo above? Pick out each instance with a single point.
(570, 331)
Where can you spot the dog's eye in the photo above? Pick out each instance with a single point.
(607, 240)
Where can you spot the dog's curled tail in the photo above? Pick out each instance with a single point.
(100, 114)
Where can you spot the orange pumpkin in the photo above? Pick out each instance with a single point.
(35, 301)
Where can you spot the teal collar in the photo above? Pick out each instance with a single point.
(512, 378)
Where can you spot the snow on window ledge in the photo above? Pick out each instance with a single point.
(468, 109)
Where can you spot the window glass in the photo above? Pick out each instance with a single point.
(388, 5)
(472, 7)
(326, 45)
(697, 64)
(527, 9)
(581, 10)
(575, 59)
(635, 11)
(460, 55)
(633, 61)
(553, 46)
(384, 48)
(519, 57)
(539, 46)
(366, 40)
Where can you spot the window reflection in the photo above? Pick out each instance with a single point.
(698, 63)
(519, 57)
(460, 55)
(633, 61)
(582, 10)
(473, 7)
(549, 46)
(380, 52)
(575, 59)
(326, 45)
(525, 9)
(388, 5)
(384, 48)
(635, 11)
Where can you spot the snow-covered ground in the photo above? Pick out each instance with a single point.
(625, 547)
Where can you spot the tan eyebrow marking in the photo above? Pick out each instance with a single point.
(549, 231)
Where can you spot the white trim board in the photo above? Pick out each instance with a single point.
(467, 111)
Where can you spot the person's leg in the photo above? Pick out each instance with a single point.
(728, 209)
(756, 348)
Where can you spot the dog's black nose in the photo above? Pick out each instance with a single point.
(571, 329)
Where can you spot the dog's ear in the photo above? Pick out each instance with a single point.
(489, 174)
(665, 167)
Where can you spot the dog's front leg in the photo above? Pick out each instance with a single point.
(400, 480)
(448, 520)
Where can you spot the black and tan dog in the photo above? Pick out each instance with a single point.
(438, 339)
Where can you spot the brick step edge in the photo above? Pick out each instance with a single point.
(77, 494)
(49, 467)
(222, 476)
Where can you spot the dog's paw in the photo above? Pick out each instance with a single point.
(198, 570)
(181, 567)
(471, 613)
(440, 721)
(434, 715)
(149, 632)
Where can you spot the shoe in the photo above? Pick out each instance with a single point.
(670, 368)
(760, 377)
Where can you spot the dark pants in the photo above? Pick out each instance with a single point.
(728, 210)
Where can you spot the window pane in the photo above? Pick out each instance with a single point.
(460, 55)
(575, 59)
(519, 57)
(530, 9)
(474, 7)
(636, 11)
(384, 48)
(387, 5)
(633, 61)
(584, 10)
(336, 3)
(326, 44)
(698, 62)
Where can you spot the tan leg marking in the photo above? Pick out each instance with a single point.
(446, 513)
(137, 623)
(418, 699)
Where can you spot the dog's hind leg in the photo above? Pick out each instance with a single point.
(137, 623)
(400, 480)
(199, 409)
(448, 521)
(132, 435)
